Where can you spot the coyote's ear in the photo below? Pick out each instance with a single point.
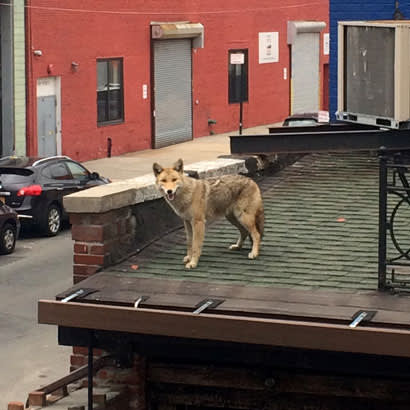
(157, 168)
(179, 166)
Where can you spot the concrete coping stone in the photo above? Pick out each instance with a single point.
(119, 194)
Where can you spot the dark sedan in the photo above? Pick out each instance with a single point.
(35, 188)
(9, 228)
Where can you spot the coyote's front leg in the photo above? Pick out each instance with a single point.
(198, 233)
(188, 233)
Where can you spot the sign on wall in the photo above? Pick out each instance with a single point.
(268, 47)
(326, 44)
(237, 58)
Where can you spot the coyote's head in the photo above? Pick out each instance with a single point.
(169, 180)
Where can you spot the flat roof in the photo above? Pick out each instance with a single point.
(316, 270)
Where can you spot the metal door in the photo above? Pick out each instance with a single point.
(173, 92)
(305, 73)
(46, 125)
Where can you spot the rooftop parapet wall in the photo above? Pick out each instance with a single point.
(110, 222)
(133, 191)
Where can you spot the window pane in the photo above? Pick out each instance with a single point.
(115, 107)
(77, 171)
(102, 91)
(115, 75)
(59, 171)
(102, 106)
(115, 91)
(102, 75)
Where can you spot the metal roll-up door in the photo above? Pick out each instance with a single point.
(173, 92)
(305, 73)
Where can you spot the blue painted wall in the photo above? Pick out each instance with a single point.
(355, 10)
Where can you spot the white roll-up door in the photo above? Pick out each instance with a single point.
(305, 73)
(304, 39)
(173, 91)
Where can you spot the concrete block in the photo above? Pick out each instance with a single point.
(120, 194)
(217, 168)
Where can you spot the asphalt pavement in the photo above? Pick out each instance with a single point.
(30, 356)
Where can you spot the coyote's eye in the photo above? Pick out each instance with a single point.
(163, 181)
(174, 180)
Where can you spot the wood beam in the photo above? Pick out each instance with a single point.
(239, 329)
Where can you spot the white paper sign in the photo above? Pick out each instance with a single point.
(268, 47)
(326, 44)
(238, 58)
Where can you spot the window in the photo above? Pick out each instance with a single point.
(57, 171)
(238, 76)
(77, 171)
(110, 106)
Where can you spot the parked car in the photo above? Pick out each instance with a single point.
(9, 228)
(35, 188)
(306, 118)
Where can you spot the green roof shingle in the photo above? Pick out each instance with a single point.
(321, 231)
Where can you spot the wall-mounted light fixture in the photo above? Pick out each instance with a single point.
(38, 53)
(74, 65)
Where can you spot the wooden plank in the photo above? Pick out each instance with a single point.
(279, 381)
(271, 332)
(129, 287)
(75, 375)
(176, 294)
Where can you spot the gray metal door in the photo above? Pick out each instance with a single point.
(46, 125)
(305, 73)
(173, 92)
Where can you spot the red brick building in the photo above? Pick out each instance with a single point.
(107, 78)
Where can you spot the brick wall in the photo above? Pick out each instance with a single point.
(101, 239)
(78, 32)
(355, 10)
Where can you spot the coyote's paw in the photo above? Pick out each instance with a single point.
(186, 259)
(191, 265)
(252, 255)
(234, 247)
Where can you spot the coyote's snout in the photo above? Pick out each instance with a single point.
(197, 201)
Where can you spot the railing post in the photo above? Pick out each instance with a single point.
(90, 369)
(382, 218)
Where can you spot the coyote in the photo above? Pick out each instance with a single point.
(198, 201)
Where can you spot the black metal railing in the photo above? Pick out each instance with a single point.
(394, 220)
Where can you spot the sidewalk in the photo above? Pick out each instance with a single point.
(138, 163)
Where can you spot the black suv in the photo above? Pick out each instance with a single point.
(35, 187)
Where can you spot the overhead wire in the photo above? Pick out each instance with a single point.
(170, 12)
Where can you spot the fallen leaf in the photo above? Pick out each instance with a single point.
(135, 267)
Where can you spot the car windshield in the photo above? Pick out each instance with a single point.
(14, 175)
(301, 122)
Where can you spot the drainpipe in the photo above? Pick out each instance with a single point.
(109, 147)
(397, 15)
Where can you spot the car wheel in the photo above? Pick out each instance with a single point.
(52, 223)
(7, 239)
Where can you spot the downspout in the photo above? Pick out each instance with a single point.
(30, 150)
(397, 15)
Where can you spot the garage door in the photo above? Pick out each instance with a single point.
(173, 92)
(305, 73)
